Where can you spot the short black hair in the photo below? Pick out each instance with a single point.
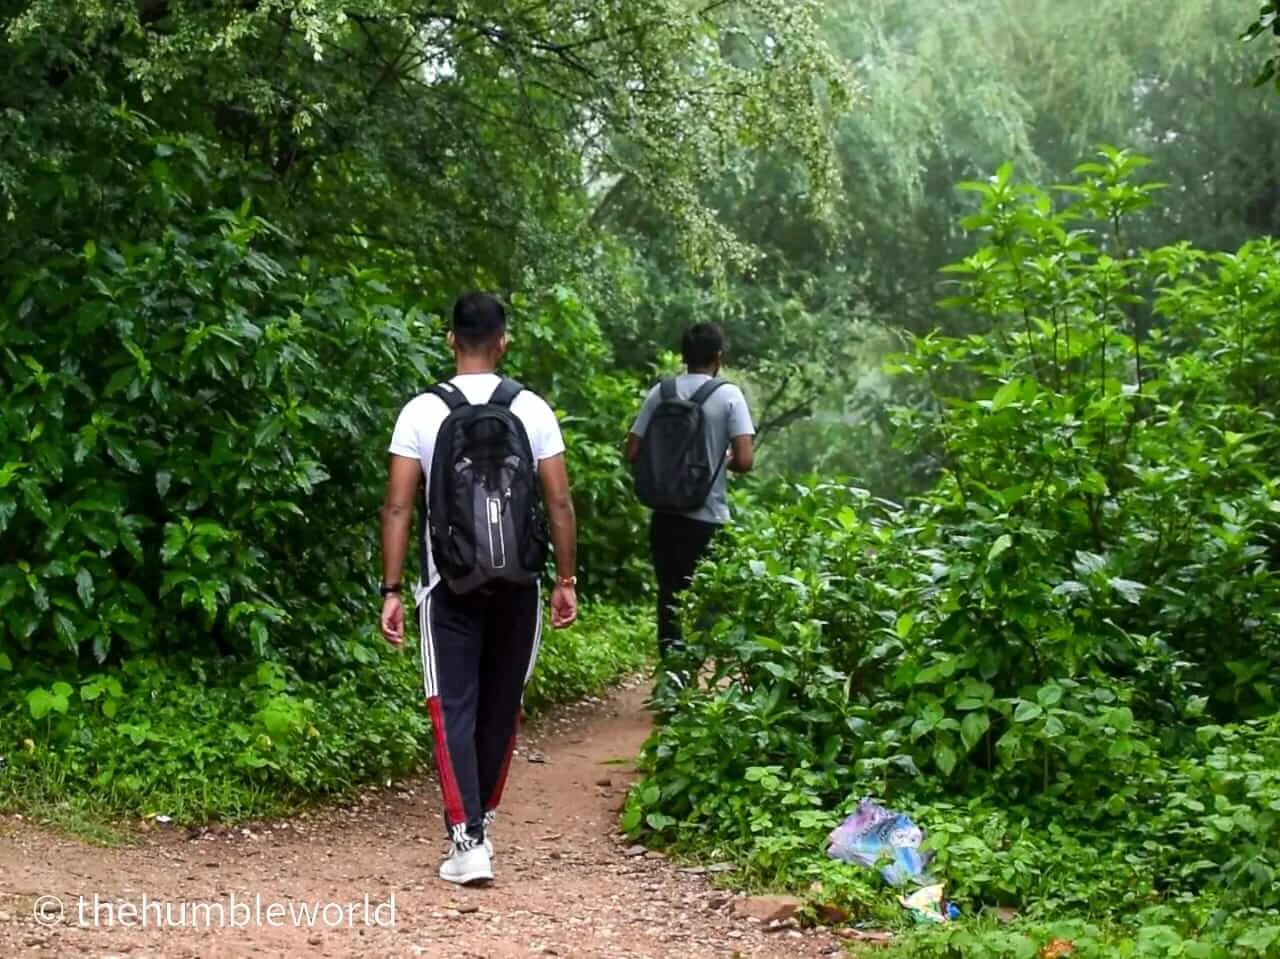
(478, 320)
(701, 344)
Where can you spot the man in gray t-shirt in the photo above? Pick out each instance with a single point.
(679, 540)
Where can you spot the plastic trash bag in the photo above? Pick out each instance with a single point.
(927, 905)
(872, 834)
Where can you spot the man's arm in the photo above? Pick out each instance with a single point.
(741, 433)
(743, 456)
(397, 514)
(640, 425)
(555, 492)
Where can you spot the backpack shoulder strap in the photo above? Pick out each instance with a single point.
(506, 392)
(452, 396)
(705, 390)
(667, 389)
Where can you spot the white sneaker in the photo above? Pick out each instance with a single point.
(467, 865)
(488, 824)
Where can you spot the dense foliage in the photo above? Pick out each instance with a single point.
(1058, 658)
(198, 740)
(190, 478)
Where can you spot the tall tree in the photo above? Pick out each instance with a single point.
(462, 133)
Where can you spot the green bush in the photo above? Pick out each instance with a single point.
(205, 739)
(1057, 658)
(188, 411)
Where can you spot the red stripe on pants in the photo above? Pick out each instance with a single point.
(453, 808)
(506, 765)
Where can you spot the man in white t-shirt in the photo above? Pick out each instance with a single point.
(478, 649)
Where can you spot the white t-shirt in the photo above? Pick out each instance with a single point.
(419, 422)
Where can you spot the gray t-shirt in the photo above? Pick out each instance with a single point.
(726, 416)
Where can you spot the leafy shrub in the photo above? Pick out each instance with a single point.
(1055, 657)
(206, 739)
(180, 421)
(606, 644)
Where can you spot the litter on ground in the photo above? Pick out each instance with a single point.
(873, 833)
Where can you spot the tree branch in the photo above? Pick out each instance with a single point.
(784, 419)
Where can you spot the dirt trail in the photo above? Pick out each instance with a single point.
(565, 884)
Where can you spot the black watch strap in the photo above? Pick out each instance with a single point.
(388, 590)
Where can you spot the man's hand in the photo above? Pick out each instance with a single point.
(393, 620)
(564, 606)
(564, 536)
(402, 484)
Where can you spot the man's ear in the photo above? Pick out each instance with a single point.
(503, 343)
(452, 340)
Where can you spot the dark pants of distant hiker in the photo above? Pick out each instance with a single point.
(478, 652)
(677, 543)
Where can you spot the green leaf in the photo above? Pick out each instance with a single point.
(1085, 563)
(175, 537)
(1053, 727)
(66, 630)
(124, 456)
(1048, 696)
(945, 757)
(904, 624)
(1260, 939)
(131, 543)
(1006, 395)
(631, 819)
(1027, 712)
(84, 587)
(1121, 718)
(258, 636)
(9, 471)
(999, 546)
(40, 703)
(973, 727)
(1127, 588)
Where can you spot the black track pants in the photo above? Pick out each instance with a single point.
(478, 653)
(677, 543)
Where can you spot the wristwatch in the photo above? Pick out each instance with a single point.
(388, 590)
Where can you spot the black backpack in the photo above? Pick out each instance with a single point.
(672, 472)
(484, 510)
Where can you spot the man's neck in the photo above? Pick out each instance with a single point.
(467, 366)
(703, 371)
